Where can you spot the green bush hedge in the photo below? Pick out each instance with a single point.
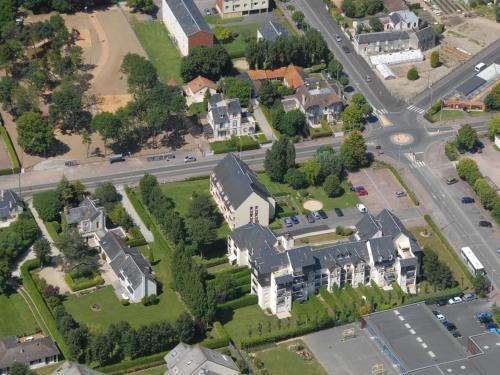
(135, 242)
(16, 165)
(450, 149)
(242, 143)
(324, 131)
(247, 300)
(135, 364)
(139, 208)
(214, 261)
(398, 177)
(46, 315)
(75, 286)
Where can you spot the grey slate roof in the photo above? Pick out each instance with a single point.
(189, 17)
(383, 249)
(382, 37)
(238, 180)
(73, 368)
(470, 85)
(186, 360)
(425, 34)
(367, 227)
(391, 225)
(112, 245)
(87, 210)
(24, 352)
(272, 30)
(8, 202)
(301, 257)
(406, 16)
(341, 254)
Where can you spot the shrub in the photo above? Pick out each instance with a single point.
(332, 186)
(125, 302)
(242, 143)
(296, 179)
(412, 74)
(248, 300)
(450, 149)
(468, 170)
(150, 300)
(48, 205)
(77, 285)
(435, 59)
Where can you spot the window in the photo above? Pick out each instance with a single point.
(251, 214)
(256, 214)
(235, 123)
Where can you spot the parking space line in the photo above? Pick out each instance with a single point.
(376, 188)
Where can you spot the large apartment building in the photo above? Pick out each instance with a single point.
(238, 8)
(239, 194)
(383, 251)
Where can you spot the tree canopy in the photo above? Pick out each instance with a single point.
(467, 138)
(279, 159)
(210, 62)
(353, 151)
(35, 135)
(236, 88)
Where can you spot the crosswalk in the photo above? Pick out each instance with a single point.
(414, 158)
(415, 109)
(381, 111)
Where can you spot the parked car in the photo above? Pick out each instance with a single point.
(440, 317)
(491, 325)
(451, 180)
(295, 220)
(338, 38)
(449, 326)
(310, 218)
(468, 297)
(466, 200)
(189, 158)
(485, 224)
(484, 316)
(358, 188)
(378, 147)
(214, 11)
(441, 302)
(316, 215)
(207, 12)
(435, 312)
(361, 193)
(362, 208)
(400, 194)
(323, 214)
(368, 79)
(456, 334)
(288, 222)
(455, 300)
(346, 49)
(339, 213)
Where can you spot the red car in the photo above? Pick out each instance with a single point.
(361, 192)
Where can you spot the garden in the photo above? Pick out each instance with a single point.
(20, 320)
(237, 38)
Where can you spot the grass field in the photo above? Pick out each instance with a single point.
(159, 370)
(280, 360)
(448, 115)
(434, 243)
(236, 47)
(320, 238)
(161, 51)
(47, 370)
(17, 318)
(217, 20)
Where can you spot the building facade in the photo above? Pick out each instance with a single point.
(186, 25)
(383, 251)
(318, 103)
(196, 89)
(10, 208)
(402, 20)
(88, 217)
(226, 119)
(381, 42)
(238, 8)
(239, 194)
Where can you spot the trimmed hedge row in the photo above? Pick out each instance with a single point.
(16, 165)
(136, 242)
(76, 286)
(218, 342)
(244, 143)
(41, 306)
(398, 177)
(139, 208)
(450, 248)
(247, 300)
(324, 131)
(214, 261)
(137, 364)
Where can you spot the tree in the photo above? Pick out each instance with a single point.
(480, 285)
(296, 179)
(102, 349)
(184, 328)
(7, 86)
(7, 11)
(494, 127)
(467, 138)
(5, 277)
(144, 6)
(48, 205)
(492, 100)
(335, 68)
(201, 205)
(42, 251)
(147, 184)
(120, 217)
(279, 159)
(311, 168)
(107, 195)
(293, 123)
(108, 125)
(223, 34)
(86, 140)
(66, 110)
(209, 62)
(70, 193)
(141, 73)
(376, 25)
(412, 74)
(35, 135)
(236, 88)
(352, 117)
(344, 81)
(353, 151)
(268, 93)
(331, 186)
(298, 17)
(468, 170)
(330, 163)
(487, 195)
(202, 232)
(20, 369)
(77, 253)
(10, 52)
(435, 59)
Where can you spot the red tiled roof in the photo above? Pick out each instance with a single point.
(200, 83)
(294, 76)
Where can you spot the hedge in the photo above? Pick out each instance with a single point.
(52, 227)
(450, 249)
(135, 364)
(324, 131)
(214, 261)
(450, 149)
(246, 300)
(139, 208)
(135, 242)
(16, 165)
(398, 177)
(76, 286)
(41, 306)
(243, 143)
(197, 178)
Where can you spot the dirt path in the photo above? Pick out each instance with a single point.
(103, 42)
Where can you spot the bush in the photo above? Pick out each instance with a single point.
(136, 242)
(343, 231)
(412, 74)
(248, 300)
(450, 149)
(150, 300)
(242, 143)
(125, 302)
(468, 170)
(296, 179)
(331, 186)
(48, 205)
(77, 285)
(435, 59)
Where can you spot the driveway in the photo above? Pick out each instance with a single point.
(133, 214)
(265, 127)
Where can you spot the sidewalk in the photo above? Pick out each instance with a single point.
(131, 210)
(263, 123)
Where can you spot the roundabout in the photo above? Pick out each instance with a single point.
(402, 139)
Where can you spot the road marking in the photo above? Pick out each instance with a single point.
(416, 109)
(414, 163)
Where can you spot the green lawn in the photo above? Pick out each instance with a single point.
(448, 115)
(236, 47)
(17, 318)
(280, 360)
(161, 51)
(47, 370)
(159, 370)
(217, 20)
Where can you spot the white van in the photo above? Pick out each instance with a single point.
(479, 67)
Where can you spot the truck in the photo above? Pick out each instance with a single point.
(114, 158)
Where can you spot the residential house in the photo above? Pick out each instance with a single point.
(239, 8)
(292, 76)
(384, 41)
(185, 359)
(196, 89)
(423, 39)
(186, 25)
(129, 265)
(88, 217)
(73, 368)
(385, 252)
(34, 351)
(402, 20)
(226, 119)
(10, 207)
(239, 194)
(394, 5)
(271, 30)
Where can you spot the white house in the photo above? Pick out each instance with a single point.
(238, 8)
(239, 194)
(319, 102)
(402, 20)
(10, 207)
(384, 251)
(226, 119)
(88, 217)
(196, 89)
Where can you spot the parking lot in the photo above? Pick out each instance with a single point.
(382, 187)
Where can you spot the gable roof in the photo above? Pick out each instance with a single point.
(425, 34)
(391, 225)
(367, 227)
(189, 17)
(238, 180)
(383, 36)
(8, 202)
(382, 249)
(11, 350)
(406, 16)
(199, 83)
(272, 30)
(294, 76)
(260, 74)
(322, 97)
(87, 210)
(73, 368)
